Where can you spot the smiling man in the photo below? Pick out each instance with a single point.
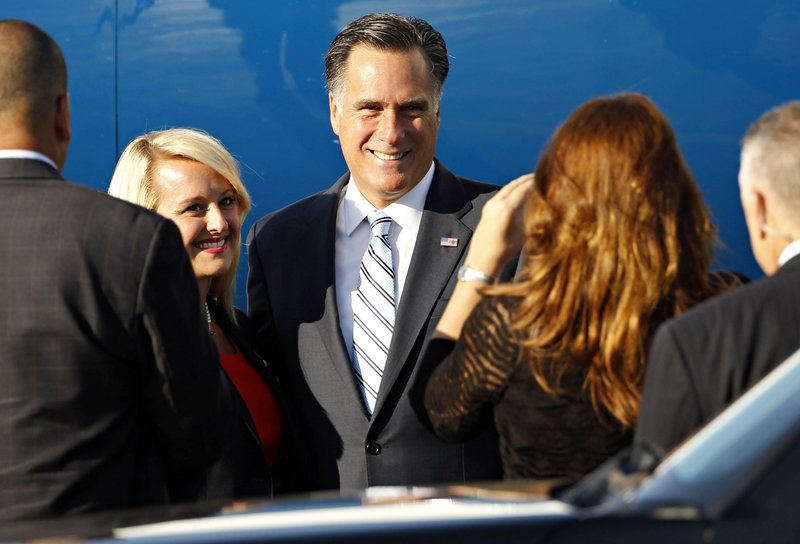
(347, 285)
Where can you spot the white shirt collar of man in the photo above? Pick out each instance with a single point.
(788, 252)
(26, 154)
(405, 211)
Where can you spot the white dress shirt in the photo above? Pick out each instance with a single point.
(788, 252)
(26, 154)
(353, 234)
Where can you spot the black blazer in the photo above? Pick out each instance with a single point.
(704, 359)
(292, 304)
(242, 471)
(101, 394)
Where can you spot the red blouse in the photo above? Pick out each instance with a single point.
(260, 402)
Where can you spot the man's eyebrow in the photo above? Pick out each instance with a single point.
(416, 104)
(367, 104)
(420, 103)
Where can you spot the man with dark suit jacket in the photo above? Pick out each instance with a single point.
(108, 378)
(703, 360)
(349, 340)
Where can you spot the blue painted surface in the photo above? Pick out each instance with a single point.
(251, 73)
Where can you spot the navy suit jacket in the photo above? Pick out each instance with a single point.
(292, 304)
(242, 470)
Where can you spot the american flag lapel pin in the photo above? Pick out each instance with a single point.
(448, 242)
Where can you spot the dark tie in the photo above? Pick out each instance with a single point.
(374, 309)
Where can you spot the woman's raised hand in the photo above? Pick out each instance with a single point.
(500, 233)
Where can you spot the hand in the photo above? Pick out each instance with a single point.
(500, 233)
(498, 237)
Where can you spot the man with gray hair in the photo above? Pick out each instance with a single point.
(703, 360)
(346, 286)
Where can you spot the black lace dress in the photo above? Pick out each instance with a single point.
(486, 376)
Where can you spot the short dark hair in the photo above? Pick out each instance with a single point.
(390, 32)
(33, 73)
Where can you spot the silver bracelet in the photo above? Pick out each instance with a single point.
(467, 273)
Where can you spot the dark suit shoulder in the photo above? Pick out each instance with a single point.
(704, 359)
(94, 206)
(475, 188)
(107, 220)
(472, 189)
(300, 211)
(87, 232)
(761, 297)
(748, 321)
(471, 185)
(453, 195)
(292, 210)
(478, 193)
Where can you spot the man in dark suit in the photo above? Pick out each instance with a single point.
(349, 335)
(108, 378)
(703, 360)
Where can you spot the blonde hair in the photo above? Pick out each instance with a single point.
(618, 239)
(133, 181)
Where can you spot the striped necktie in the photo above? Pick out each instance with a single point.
(373, 309)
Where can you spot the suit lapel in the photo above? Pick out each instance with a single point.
(321, 238)
(431, 267)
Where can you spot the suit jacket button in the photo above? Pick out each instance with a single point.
(373, 448)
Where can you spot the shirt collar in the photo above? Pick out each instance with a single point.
(788, 252)
(405, 211)
(27, 154)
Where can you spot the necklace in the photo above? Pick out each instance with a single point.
(208, 319)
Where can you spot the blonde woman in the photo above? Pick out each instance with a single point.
(189, 177)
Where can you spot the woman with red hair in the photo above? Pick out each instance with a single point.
(617, 239)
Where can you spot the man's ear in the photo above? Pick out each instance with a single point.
(334, 107)
(753, 207)
(760, 210)
(63, 127)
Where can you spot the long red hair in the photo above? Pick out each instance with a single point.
(618, 239)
